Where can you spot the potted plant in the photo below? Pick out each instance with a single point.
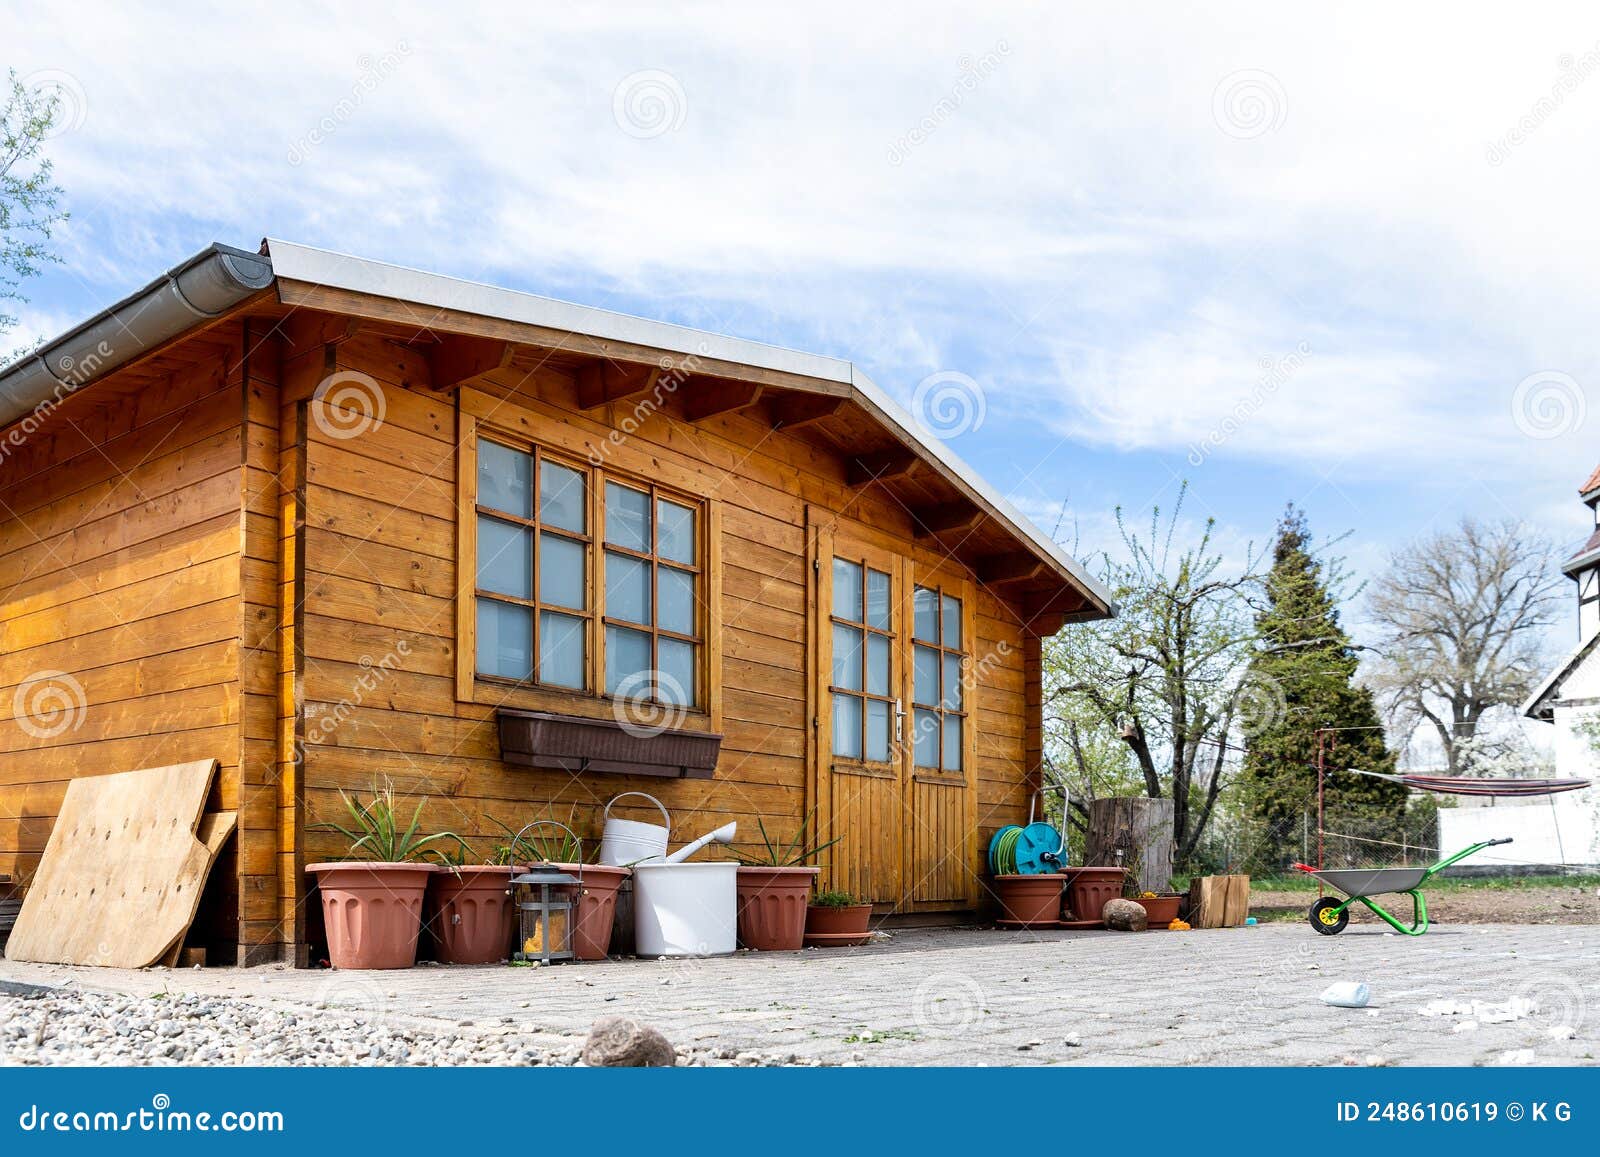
(549, 842)
(1030, 900)
(835, 920)
(774, 883)
(372, 903)
(468, 910)
(1160, 908)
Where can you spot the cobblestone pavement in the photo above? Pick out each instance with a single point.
(967, 997)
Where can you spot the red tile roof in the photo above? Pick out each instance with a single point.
(1592, 484)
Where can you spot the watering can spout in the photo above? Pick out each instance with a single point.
(723, 835)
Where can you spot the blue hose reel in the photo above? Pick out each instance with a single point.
(1037, 849)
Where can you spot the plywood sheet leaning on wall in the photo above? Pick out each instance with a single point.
(122, 874)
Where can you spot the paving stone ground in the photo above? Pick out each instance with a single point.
(1246, 996)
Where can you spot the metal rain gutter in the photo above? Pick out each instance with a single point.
(205, 286)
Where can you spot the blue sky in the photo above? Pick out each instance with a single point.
(1354, 250)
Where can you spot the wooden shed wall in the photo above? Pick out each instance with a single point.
(380, 574)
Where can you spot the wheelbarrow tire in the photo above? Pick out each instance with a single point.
(1326, 904)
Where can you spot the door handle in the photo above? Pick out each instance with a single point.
(899, 721)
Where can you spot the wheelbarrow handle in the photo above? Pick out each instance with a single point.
(1496, 843)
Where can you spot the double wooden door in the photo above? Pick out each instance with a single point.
(891, 651)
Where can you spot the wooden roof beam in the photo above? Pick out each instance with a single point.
(601, 382)
(950, 518)
(456, 358)
(882, 466)
(1009, 568)
(794, 410)
(707, 397)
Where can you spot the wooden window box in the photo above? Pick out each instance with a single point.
(576, 744)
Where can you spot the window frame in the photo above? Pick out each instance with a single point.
(485, 417)
(893, 636)
(963, 654)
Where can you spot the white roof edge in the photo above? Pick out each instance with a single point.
(324, 267)
(1530, 708)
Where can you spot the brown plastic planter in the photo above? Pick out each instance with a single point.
(1090, 888)
(1030, 899)
(372, 912)
(1159, 910)
(469, 914)
(851, 920)
(597, 908)
(772, 907)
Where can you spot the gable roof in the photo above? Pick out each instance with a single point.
(219, 279)
(1591, 484)
(1541, 704)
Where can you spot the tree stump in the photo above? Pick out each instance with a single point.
(1133, 833)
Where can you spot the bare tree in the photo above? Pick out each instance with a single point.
(1462, 614)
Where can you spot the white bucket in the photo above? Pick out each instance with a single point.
(685, 909)
(627, 842)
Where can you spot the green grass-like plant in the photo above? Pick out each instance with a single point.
(781, 855)
(833, 900)
(375, 833)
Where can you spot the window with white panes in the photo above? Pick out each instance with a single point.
(861, 683)
(540, 573)
(938, 692)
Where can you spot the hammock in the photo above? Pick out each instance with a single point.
(1466, 785)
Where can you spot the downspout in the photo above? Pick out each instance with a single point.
(205, 286)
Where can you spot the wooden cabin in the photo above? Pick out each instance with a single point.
(331, 521)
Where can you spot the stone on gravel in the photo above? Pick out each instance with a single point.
(1125, 916)
(622, 1042)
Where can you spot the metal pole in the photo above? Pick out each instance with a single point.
(1322, 747)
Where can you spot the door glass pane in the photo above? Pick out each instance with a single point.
(627, 656)
(561, 571)
(847, 590)
(627, 517)
(561, 497)
(847, 726)
(951, 622)
(504, 558)
(926, 725)
(878, 664)
(925, 612)
(675, 599)
(627, 588)
(952, 743)
(878, 600)
(925, 687)
(505, 640)
(560, 650)
(675, 682)
(878, 730)
(847, 657)
(952, 682)
(505, 478)
(675, 532)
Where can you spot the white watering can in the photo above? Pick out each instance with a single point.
(723, 835)
(624, 842)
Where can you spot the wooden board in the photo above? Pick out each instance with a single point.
(121, 877)
(1219, 901)
(215, 828)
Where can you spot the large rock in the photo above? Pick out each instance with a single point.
(622, 1042)
(1125, 916)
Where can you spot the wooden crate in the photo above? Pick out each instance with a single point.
(1219, 901)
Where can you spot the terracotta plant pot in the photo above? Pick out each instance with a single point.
(469, 914)
(847, 921)
(1090, 888)
(597, 908)
(772, 907)
(372, 912)
(1160, 910)
(1030, 899)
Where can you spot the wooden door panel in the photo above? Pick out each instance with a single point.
(866, 816)
(939, 872)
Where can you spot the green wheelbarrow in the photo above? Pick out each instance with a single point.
(1329, 915)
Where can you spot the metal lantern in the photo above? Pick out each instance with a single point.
(545, 898)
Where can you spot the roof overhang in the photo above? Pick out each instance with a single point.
(1542, 703)
(220, 279)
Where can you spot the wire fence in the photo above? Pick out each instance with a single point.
(1271, 847)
